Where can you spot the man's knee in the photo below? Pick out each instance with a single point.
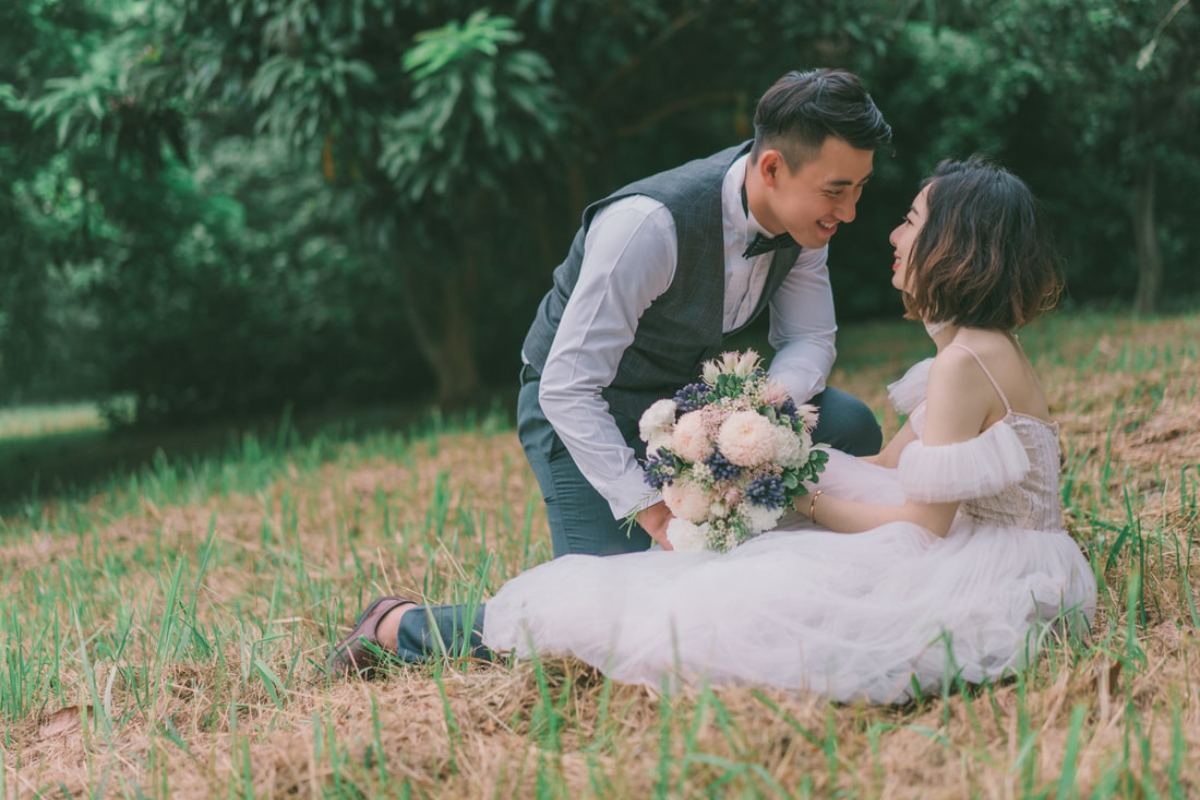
(848, 424)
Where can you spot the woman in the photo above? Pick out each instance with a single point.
(957, 564)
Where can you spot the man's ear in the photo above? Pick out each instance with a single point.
(769, 164)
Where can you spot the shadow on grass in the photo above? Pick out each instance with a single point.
(77, 464)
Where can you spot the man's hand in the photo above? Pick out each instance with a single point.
(654, 521)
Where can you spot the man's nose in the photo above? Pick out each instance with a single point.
(846, 210)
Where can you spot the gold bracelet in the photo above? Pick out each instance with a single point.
(812, 507)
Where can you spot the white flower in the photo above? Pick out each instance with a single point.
(787, 447)
(660, 439)
(689, 439)
(685, 536)
(701, 473)
(759, 518)
(806, 445)
(747, 363)
(686, 500)
(729, 540)
(740, 364)
(747, 439)
(658, 418)
(719, 509)
(730, 360)
(712, 371)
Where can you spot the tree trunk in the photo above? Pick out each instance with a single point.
(456, 370)
(1150, 267)
(443, 334)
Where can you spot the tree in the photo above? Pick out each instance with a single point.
(44, 209)
(456, 134)
(1127, 74)
(481, 115)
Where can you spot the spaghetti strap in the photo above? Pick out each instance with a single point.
(986, 371)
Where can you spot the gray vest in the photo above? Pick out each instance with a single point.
(682, 327)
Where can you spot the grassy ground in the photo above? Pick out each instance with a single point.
(164, 636)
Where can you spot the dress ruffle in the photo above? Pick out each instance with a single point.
(909, 392)
(981, 467)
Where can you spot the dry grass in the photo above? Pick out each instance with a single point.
(167, 639)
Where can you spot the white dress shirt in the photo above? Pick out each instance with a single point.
(630, 254)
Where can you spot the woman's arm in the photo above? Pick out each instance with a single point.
(890, 456)
(849, 516)
(960, 400)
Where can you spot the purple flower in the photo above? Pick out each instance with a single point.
(767, 491)
(692, 397)
(722, 468)
(660, 470)
(788, 409)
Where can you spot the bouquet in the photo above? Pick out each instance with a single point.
(729, 453)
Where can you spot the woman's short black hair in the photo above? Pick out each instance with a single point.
(984, 258)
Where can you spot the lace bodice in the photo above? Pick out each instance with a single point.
(1008, 475)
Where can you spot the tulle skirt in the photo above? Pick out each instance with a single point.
(867, 615)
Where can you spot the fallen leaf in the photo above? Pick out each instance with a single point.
(64, 720)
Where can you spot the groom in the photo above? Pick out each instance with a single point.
(662, 271)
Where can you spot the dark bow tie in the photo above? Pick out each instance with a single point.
(767, 244)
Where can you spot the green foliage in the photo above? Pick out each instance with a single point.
(41, 204)
(104, 106)
(478, 112)
(1124, 78)
(224, 304)
(223, 205)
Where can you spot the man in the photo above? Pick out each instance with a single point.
(662, 271)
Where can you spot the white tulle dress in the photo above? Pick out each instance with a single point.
(851, 616)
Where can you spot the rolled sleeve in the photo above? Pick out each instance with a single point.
(804, 327)
(629, 260)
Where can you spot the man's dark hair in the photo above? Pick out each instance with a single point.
(984, 258)
(803, 109)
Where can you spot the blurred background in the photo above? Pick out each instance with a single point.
(229, 210)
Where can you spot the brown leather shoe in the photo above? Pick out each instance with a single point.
(359, 652)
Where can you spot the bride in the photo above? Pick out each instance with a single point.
(944, 556)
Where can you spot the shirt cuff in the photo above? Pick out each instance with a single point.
(801, 386)
(630, 494)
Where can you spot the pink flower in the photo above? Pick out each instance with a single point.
(733, 496)
(690, 441)
(776, 394)
(714, 417)
(808, 416)
(747, 439)
(686, 501)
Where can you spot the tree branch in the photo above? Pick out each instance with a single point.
(633, 64)
(678, 106)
